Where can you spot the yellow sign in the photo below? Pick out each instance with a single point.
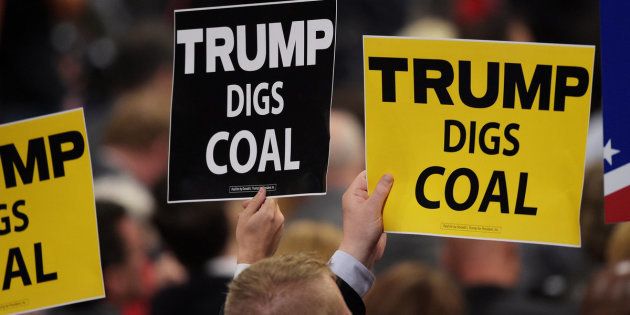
(49, 252)
(484, 139)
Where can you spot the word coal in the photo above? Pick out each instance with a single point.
(268, 153)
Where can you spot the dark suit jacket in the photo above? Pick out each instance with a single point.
(352, 298)
(202, 295)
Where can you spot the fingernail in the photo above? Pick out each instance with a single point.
(388, 179)
(261, 190)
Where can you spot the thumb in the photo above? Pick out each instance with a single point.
(380, 193)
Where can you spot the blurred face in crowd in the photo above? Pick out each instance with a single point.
(129, 280)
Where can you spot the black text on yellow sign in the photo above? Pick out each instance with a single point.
(479, 116)
(46, 184)
(14, 167)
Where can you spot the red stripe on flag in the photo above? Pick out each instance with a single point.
(617, 206)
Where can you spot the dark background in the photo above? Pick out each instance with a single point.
(200, 108)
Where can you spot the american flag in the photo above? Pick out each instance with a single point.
(615, 50)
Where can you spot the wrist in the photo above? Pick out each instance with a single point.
(362, 255)
(246, 258)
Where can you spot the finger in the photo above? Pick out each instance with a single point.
(245, 203)
(256, 202)
(269, 207)
(380, 247)
(279, 216)
(381, 191)
(359, 183)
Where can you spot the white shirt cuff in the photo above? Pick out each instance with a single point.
(352, 271)
(239, 269)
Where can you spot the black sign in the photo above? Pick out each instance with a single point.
(251, 99)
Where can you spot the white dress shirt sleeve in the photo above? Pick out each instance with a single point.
(352, 271)
(239, 269)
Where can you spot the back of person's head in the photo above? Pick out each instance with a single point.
(316, 238)
(136, 135)
(291, 284)
(479, 262)
(411, 288)
(137, 120)
(618, 248)
(123, 254)
(609, 291)
(194, 232)
(111, 242)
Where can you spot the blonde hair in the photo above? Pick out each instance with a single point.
(137, 119)
(618, 248)
(316, 238)
(288, 284)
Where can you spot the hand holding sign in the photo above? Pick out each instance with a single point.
(259, 228)
(363, 236)
(485, 139)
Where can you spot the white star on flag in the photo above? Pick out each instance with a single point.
(609, 152)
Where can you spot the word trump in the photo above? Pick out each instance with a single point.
(36, 155)
(63, 147)
(514, 82)
(304, 40)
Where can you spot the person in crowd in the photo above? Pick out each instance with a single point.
(136, 67)
(489, 273)
(558, 274)
(362, 245)
(316, 238)
(136, 137)
(292, 284)
(123, 261)
(140, 206)
(618, 247)
(411, 288)
(196, 234)
(609, 291)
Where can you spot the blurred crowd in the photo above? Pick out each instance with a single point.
(114, 59)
